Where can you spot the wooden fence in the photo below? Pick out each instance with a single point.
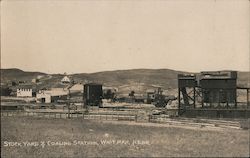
(195, 122)
(198, 122)
(89, 116)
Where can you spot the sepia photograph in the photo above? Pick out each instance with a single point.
(125, 78)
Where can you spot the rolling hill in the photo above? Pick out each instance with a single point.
(160, 77)
(127, 79)
(17, 74)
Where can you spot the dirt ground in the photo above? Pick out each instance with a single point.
(24, 137)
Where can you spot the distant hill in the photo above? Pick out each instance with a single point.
(161, 77)
(17, 74)
(141, 79)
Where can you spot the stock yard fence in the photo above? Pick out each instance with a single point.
(56, 115)
(198, 122)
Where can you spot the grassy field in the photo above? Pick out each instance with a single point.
(126, 140)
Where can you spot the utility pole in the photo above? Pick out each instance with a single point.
(68, 103)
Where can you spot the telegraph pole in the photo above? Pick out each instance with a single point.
(68, 104)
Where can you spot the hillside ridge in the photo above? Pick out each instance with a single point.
(166, 78)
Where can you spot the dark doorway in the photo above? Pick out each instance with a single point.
(43, 100)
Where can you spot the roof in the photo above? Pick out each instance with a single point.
(66, 79)
(218, 72)
(186, 76)
(97, 84)
(219, 75)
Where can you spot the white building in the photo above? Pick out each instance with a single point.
(66, 79)
(25, 91)
(43, 96)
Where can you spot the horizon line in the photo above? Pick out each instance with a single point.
(118, 70)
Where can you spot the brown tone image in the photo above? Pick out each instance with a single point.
(162, 78)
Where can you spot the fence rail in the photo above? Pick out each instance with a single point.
(126, 117)
(195, 122)
(89, 116)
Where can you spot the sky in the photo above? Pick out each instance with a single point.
(86, 36)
